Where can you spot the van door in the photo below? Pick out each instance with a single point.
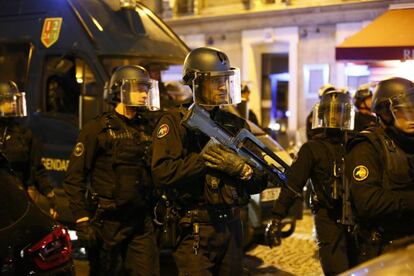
(69, 94)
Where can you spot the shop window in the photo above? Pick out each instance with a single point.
(315, 75)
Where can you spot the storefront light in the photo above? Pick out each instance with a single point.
(356, 70)
(405, 69)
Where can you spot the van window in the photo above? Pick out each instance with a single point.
(14, 61)
(66, 79)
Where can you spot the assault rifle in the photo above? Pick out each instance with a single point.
(244, 144)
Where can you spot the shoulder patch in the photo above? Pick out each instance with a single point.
(360, 173)
(79, 149)
(163, 131)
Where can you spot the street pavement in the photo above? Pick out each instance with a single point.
(297, 255)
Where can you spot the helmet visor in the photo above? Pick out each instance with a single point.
(217, 88)
(402, 106)
(140, 94)
(333, 115)
(13, 105)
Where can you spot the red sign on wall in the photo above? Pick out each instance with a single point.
(51, 31)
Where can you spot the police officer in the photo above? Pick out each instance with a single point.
(209, 184)
(20, 146)
(321, 160)
(364, 118)
(380, 163)
(310, 132)
(111, 162)
(245, 96)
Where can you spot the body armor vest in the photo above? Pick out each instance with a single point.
(127, 149)
(328, 175)
(398, 165)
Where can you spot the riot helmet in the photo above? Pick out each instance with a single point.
(362, 94)
(178, 93)
(12, 101)
(325, 89)
(132, 86)
(393, 102)
(213, 81)
(334, 110)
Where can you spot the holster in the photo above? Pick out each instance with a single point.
(170, 228)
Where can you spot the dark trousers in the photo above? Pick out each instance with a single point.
(125, 250)
(220, 250)
(332, 242)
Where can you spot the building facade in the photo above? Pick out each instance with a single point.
(285, 48)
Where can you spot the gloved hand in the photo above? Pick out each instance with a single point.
(86, 234)
(223, 159)
(274, 230)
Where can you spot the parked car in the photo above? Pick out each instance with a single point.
(396, 262)
(31, 242)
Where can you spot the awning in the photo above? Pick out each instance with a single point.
(389, 37)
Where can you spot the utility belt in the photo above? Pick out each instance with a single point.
(106, 209)
(210, 215)
(191, 220)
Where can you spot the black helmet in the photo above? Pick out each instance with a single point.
(119, 75)
(8, 88)
(363, 92)
(334, 110)
(12, 101)
(385, 91)
(131, 85)
(205, 69)
(325, 89)
(204, 59)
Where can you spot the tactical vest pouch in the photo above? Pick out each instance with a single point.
(130, 173)
(397, 162)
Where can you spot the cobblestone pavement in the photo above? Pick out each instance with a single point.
(296, 256)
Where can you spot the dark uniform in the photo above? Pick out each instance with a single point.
(380, 166)
(207, 198)
(316, 160)
(364, 121)
(112, 152)
(22, 150)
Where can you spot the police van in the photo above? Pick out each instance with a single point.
(61, 53)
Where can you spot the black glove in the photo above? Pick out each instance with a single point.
(273, 232)
(86, 234)
(223, 159)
